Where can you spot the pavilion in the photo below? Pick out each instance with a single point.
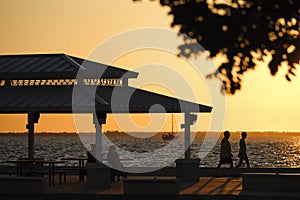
(43, 83)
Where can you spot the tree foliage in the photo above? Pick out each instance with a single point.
(243, 30)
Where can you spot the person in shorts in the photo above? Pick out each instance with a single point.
(225, 154)
(243, 151)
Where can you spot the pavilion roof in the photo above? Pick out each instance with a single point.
(37, 95)
(59, 100)
(54, 66)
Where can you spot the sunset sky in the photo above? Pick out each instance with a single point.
(76, 27)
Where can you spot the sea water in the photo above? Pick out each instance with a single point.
(265, 149)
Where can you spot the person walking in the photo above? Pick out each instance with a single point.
(225, 154)
(243, 151)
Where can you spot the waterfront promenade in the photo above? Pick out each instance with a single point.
(206, 188)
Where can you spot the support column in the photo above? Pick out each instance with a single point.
(187, 136)
(98, 145)
(99, 119)
(98, 174)
(187, 169)
(189, 119)
(33, 117)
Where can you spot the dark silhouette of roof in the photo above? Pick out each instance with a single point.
(59, 98)
(54, 65)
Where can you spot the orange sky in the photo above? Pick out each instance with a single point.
(76, 27)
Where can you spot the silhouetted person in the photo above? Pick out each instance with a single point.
(225, 153)
(90, 156)
(115, 164)
(243, 151)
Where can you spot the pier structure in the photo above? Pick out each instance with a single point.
(36, 84)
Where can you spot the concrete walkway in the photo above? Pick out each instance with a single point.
(207, 188)
(215, 186)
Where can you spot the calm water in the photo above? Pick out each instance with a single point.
(264, 149)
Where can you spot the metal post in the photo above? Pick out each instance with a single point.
(32, 117)
(30, 127)
(187, 136)
(99, 119)
(98, 146)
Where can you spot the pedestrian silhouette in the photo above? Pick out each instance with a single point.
(117, 169)
(225, 154)
(243, 151)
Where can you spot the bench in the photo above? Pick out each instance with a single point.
(61, 173)
(9, 173)
(271, 182)
(22, 185)
(151, 186)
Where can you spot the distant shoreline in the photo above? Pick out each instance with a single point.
(47, 132)
(119, 132)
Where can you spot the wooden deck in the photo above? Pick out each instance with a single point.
(206, 186)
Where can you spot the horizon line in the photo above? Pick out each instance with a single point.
(115, 131)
